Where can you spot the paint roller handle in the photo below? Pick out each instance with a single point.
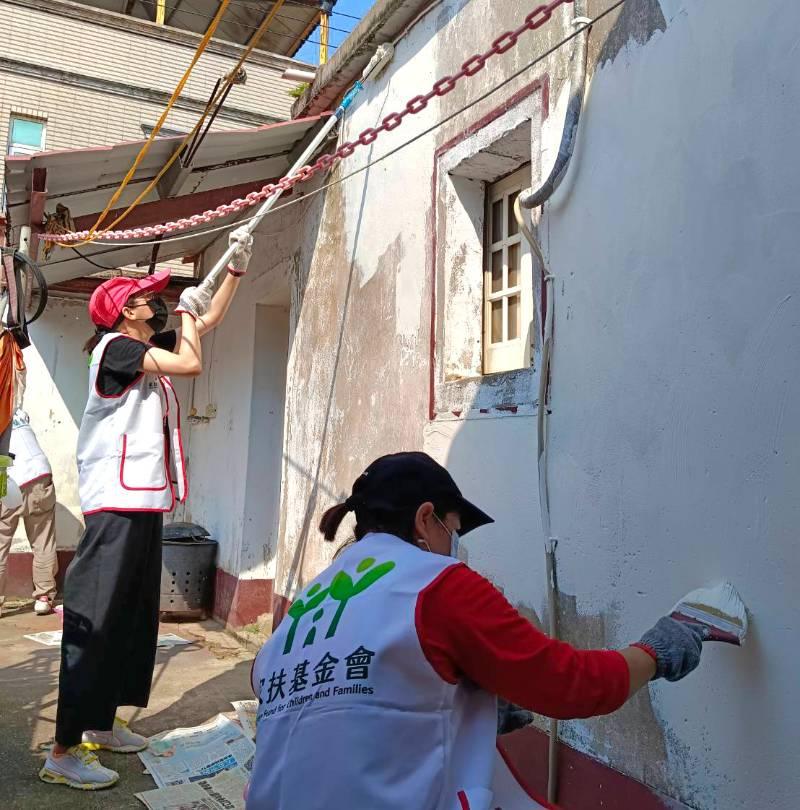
(675, 646)
(235, 258)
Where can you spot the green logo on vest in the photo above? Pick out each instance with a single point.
(342, 590)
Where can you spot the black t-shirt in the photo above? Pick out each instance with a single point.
(121, 363)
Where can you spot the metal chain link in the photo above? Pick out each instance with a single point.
(442, 87)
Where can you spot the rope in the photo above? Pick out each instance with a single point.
(229, 79)
(173, 98)
(566, 40)
(445, 85)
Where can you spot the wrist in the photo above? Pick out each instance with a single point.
(647, 649)
(234, 272)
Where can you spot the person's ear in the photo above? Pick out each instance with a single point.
(422, 522)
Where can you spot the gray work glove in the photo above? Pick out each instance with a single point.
(511, 717)
(677, 646)
(195, 301)
(242, 239)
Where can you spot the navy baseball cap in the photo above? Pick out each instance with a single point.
(403, 480)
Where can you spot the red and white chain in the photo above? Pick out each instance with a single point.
(475, 64)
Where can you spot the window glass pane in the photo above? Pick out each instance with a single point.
(513, 228)
(25, 132)
(513, 317)
(513, 265)
(497, 321)
(497, 271)
(497, 221)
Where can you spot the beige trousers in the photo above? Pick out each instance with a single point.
(38, 512)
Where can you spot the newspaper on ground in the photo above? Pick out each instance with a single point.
(52, 638)
(246, 711)
(169, 640)
(222, 792)
(187, 755)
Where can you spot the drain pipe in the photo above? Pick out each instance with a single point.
(534, 198)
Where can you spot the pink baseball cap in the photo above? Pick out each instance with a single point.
(107, 301)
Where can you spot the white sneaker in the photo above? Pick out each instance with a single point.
(120, 739)
(42, 606)
(77, 768)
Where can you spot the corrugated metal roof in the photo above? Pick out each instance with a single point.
(84, 179)
(293, 22)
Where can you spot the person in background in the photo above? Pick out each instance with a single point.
(131, 471)
(382, 681)
(31, 472)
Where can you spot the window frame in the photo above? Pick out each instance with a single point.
(508, 354)
(25, 149)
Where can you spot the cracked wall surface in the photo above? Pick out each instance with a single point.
(674, 455)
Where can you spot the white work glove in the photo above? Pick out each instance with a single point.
(242, 240)
(195, 301)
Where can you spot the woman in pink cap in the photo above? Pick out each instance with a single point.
(131, 471)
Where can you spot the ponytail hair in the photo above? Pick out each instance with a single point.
(98, 335)
(332, 519)
(399, 522)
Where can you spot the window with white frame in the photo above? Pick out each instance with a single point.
(507, 285)
(26, 135)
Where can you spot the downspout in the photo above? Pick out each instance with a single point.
(528, 199)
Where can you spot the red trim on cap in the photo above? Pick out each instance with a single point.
(463, 800)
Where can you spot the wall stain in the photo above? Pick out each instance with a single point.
(638, 21)
(630, 740)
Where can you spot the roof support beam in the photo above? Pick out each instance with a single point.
(176, 207)
(36, 209)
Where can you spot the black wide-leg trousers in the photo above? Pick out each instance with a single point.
(111, 607)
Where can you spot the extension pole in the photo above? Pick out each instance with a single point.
(376, 64)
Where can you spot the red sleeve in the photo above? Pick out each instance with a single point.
(467, 629)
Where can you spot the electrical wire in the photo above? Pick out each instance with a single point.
(93, 263)
(516, 74)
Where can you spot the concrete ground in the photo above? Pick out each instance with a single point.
(191, 684)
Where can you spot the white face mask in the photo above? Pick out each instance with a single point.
(455, 542)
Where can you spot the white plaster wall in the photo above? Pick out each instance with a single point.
(676, 382)
(235, 458)
(674, 438)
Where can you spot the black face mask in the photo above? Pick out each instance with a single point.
(160, 314)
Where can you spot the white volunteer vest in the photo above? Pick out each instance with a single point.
(351, 713)
(123, 463)
(30, 463)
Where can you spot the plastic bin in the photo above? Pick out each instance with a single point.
(188, 568)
